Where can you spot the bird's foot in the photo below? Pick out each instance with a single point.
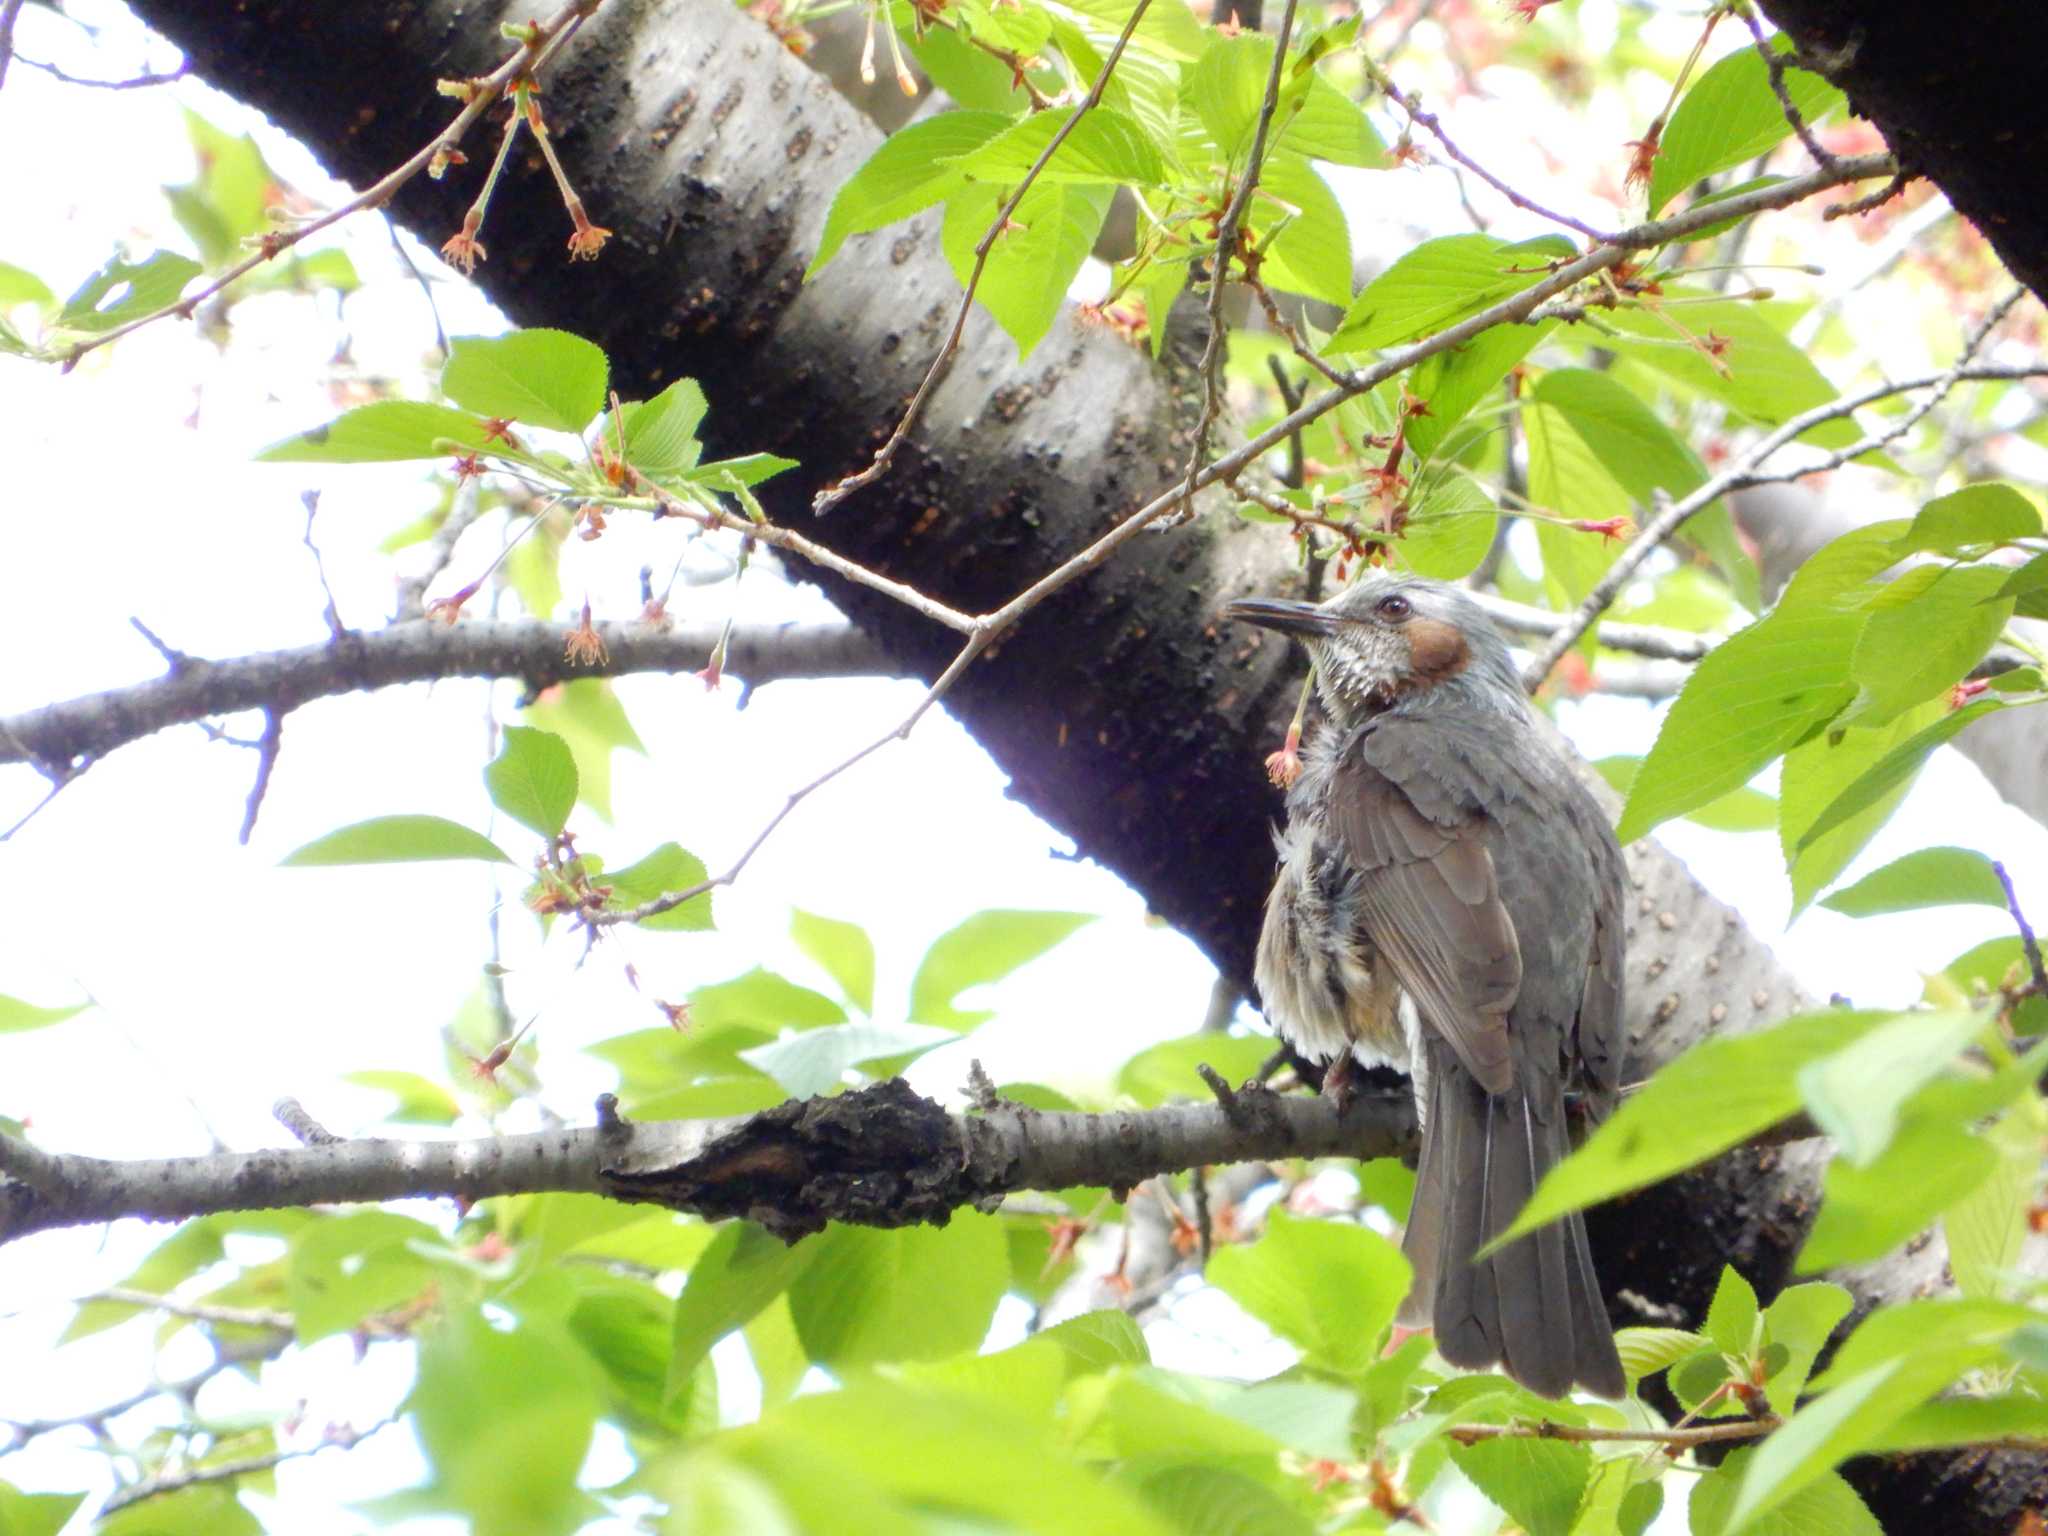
(1341, 1081)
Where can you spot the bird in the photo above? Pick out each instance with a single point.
(1440, 848)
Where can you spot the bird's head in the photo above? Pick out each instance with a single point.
(1390, 640)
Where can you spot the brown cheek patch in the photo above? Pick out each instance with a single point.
(1436, 650)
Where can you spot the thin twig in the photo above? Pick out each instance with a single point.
(339, 1437)
(2028, 943)
(832, 495)
(231, 1353)
(527, 58)
(293, 1116)
(311, 501)
(266, 761)
(136, 83)
(1210, 370)
(1672, 1439)
(1744, 472)
(9, 11)
(196, 1311)
(1428, 120)
(1775, 62)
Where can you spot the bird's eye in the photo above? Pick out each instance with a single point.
(1392, 606)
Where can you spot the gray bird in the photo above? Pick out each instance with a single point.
(1438, 846)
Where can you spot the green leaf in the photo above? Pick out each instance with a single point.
(1646, 1351)
(1329, 1287)
(1450, 527)
(1164, 1072)
(1451, 382)
(1965, 1421)
(1300, 226)
(16, 1015)
(1987, 1229)
(346, 1268)
(125, 290)
(1827, 1506)
(1105, 147)
(20, 286)
(1220, 1501)
(1035, 260)
(1227, 88)
(661, 434)
(533, 779)
(815, 1061)
(975, 79)
(742, 1271)
(586, 713)
(1565, 472)
(1896, 769)
(1329, 125)
(1854, 1094)
(748, 469)
(914, 168)
(210, 1509)
(668, 869)
(1441, 282)
(1095, 1341)
(1816, 772)
(1537, 1482)
(545, 378)
(842, 950)
(763, 1000)
(1732, 1315)
(911, 1293)
(984, 948)
(420, 1101)
(382, 432)
(1990, 513)
(1926, 631)
(1929, 877)
(1759, 373)
(1715, 1096)
(1867, 1212)
(397, 840)
(37, 1514)
(1800, 1321)
(1763, 689)
(1730, 115)
(505, 1417)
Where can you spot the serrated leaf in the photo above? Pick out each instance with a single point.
(1538, 1482)
(1990, 513)
(397, 840)
(1867, 1212)
(1928, 877)
(1827, 1506)
(843, 950)
(914, 168)
(661, 434)
(1732, 1315)
(742, 1271)
(1925, 632)
(1730, 115)
(20, 286)
(1329, 1287)
(1717, 1095)
(1441, 282)
(1896, 769)
(1451, 382)
(586, 713)
(418, 1100)
(984, 948)
(382, 432)
(1800, 1321)
(911, 1293)
(1854, 1094)
(748, 469)
(1035, 260)
(1450, 527)
(1166, 1071)
(1311, 251)
(546, 378)
(1987, 1229)
(1816, 773)
(1104, 146)
(1646, 1351)
(533, 779)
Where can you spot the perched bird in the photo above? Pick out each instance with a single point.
(1438, 846)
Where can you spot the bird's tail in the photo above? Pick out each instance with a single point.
(1534, 1307)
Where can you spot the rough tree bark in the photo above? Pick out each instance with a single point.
(1960, 94)
(1124, 714)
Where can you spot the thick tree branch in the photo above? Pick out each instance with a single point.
(882, 1156)
(57, 737)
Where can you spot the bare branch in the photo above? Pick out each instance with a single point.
(58, 737)
(792, 1167)
(340, 1437)
(1775, 62)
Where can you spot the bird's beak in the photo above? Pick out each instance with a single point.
(1289, 618)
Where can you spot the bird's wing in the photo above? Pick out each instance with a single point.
(1428, 894)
